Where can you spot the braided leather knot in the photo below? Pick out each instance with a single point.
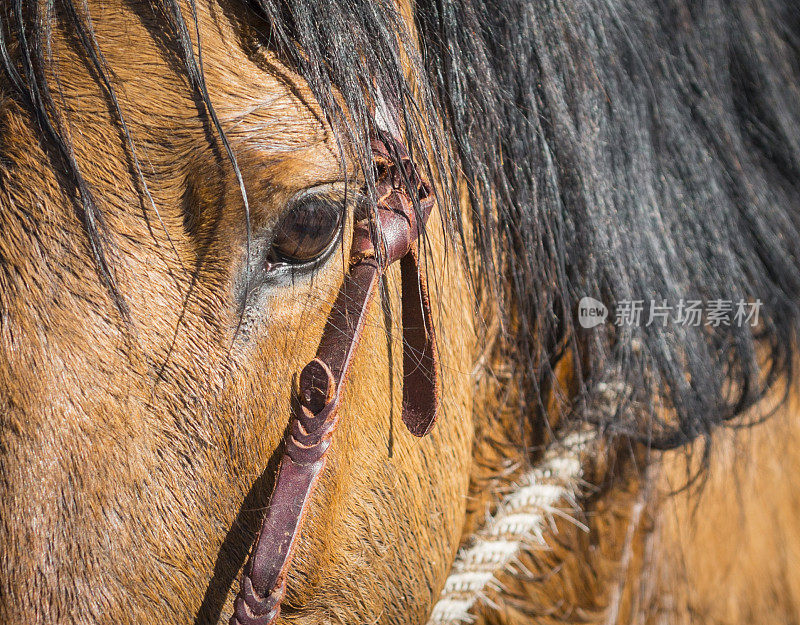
(317, 386)
(250, 608)
(312, 428)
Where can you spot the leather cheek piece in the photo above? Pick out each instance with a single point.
(396, 226)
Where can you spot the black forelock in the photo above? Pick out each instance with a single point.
(623, 149)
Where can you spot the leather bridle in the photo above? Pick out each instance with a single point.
(395, 224)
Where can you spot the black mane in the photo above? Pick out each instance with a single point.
(625, 150)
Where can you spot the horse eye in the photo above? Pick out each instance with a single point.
(307, 230)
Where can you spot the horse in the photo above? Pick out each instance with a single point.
(180, 182)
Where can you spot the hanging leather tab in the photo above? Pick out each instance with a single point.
(396, 173)
(420, 358)
(395, 225)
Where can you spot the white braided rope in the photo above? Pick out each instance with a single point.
(519, 521)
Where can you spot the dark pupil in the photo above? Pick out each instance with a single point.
(307, 231)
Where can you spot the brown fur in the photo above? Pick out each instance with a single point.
(135, 461)
(662, 549)
(131, 462)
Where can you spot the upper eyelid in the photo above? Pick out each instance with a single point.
(349, 188)
(349, 195)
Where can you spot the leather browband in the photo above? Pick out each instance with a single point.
(396, 225)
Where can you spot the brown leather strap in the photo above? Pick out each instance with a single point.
(396, 226)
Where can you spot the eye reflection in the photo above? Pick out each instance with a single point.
(307, 231)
